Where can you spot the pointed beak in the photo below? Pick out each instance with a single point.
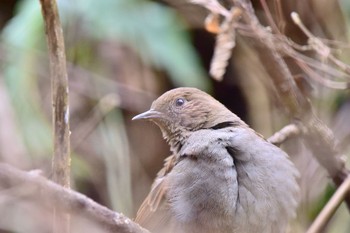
(150, 114)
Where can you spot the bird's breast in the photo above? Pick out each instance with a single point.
(203, 195)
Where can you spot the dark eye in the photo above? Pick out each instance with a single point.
(179, 102)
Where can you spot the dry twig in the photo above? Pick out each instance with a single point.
(324, 51)
(68, 200)
(286, 132)
(330, 208)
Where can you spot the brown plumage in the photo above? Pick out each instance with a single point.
(222, 176)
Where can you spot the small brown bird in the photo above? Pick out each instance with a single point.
(222, 176)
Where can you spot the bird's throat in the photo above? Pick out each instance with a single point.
(176, 138)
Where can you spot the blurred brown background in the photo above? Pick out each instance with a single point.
(121, 55)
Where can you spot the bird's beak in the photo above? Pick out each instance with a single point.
(150, 114)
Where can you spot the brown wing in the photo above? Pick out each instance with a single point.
(154, 211)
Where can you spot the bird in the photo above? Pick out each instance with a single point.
(221, 176)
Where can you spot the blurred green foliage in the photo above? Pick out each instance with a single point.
(154, 31)
(22, 38)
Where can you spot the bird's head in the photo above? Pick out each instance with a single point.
(184, 110)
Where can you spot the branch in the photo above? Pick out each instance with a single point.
(286, 132)
(330, 208)
(59, 82)
(60, 104)
(68, 200)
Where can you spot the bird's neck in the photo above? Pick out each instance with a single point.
(176, 138)
(223, 119)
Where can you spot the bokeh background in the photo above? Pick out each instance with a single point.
(121, 55)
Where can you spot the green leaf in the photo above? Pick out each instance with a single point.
(154, 31)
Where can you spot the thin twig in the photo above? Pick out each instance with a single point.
(318, 45)
(66, 199)
(330, 208)
(60, 104)
(286, 132)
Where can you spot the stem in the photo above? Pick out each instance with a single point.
(60, 105)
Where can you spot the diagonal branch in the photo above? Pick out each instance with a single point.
(67, 200)
(285, 133)
(330, 208)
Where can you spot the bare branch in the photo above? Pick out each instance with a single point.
(332, 205)
(68, 200)
(286, 132)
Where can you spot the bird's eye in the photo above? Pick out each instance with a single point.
(179, 102)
